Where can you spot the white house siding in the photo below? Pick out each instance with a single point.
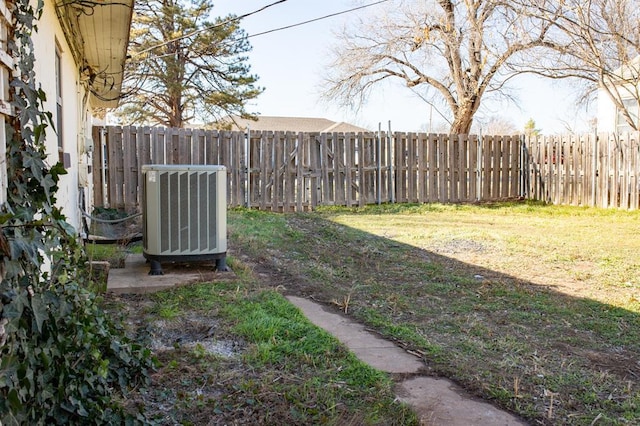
(607, 112)
(75, 112)
(610, 119)
(6, 65)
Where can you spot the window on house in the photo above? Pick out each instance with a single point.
(631, 105)
(58, 70)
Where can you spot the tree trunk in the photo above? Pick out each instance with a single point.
(463, 116)
(462, 123)
(175, 117)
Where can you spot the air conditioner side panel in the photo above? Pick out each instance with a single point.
(221, 210)
(152, 227)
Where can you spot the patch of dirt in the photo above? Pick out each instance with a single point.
(618, 362)
(187, 348)
(190, 332)
(459, 245)
(185, 331)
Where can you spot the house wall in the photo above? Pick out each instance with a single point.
(610, 119)
(606, 112)
(75, 111)
(6, 66)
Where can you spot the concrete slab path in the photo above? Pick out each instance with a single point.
(437, 401)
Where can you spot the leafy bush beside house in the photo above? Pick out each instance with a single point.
(62, 360)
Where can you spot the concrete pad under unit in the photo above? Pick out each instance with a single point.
(135, 278)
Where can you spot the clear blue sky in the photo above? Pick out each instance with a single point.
(290, 65)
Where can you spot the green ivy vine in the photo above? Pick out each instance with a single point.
(62, 359)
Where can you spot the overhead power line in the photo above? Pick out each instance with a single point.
(286, 27)
(316, 19)
(237, 18)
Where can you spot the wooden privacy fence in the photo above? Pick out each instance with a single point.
(298, 171)
(584, 170)
(286, 171)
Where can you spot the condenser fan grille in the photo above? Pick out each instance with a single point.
(185, 210)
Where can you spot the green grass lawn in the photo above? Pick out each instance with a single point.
(278, 368)
(534, 307)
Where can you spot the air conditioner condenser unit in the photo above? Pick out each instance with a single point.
(184, 214)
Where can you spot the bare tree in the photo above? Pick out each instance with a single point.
(597, 42)
(454, 52)
(496, 125)
(184, 67)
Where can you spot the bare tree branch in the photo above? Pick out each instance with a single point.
(456, 51)
(598, 41)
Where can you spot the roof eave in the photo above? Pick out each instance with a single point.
(98, 40)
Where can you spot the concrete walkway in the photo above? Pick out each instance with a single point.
(437, 401)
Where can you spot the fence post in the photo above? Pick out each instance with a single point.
(524, 167)
(247, 156)
(379, 165)
(103, 165)
(392, 183)
(479, 179)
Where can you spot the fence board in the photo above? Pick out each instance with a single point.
(255, 147)
(211, 148)
(98, 164)
(623, 170)
(369, 168)
(359, 159)
(292, 159)
(340, 174)
(144, 148)
(264, 163)
(602, 190)
(383, 176)
(572, 181)
(391, 163)
(312, 169)
(115, 166)
(472, 167)
(350, 171)
(432, 164)
(499, 154)
(485, 172)
(158, 154)
(634, 183)
(398, 168)
(463, 168)
(443, 195)
(171, 147)
(410, 155)
(514, 168)
(422, 167)
(129, 170)
(569, 181)
(324, 162)
(451, 178)
(297, 171)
